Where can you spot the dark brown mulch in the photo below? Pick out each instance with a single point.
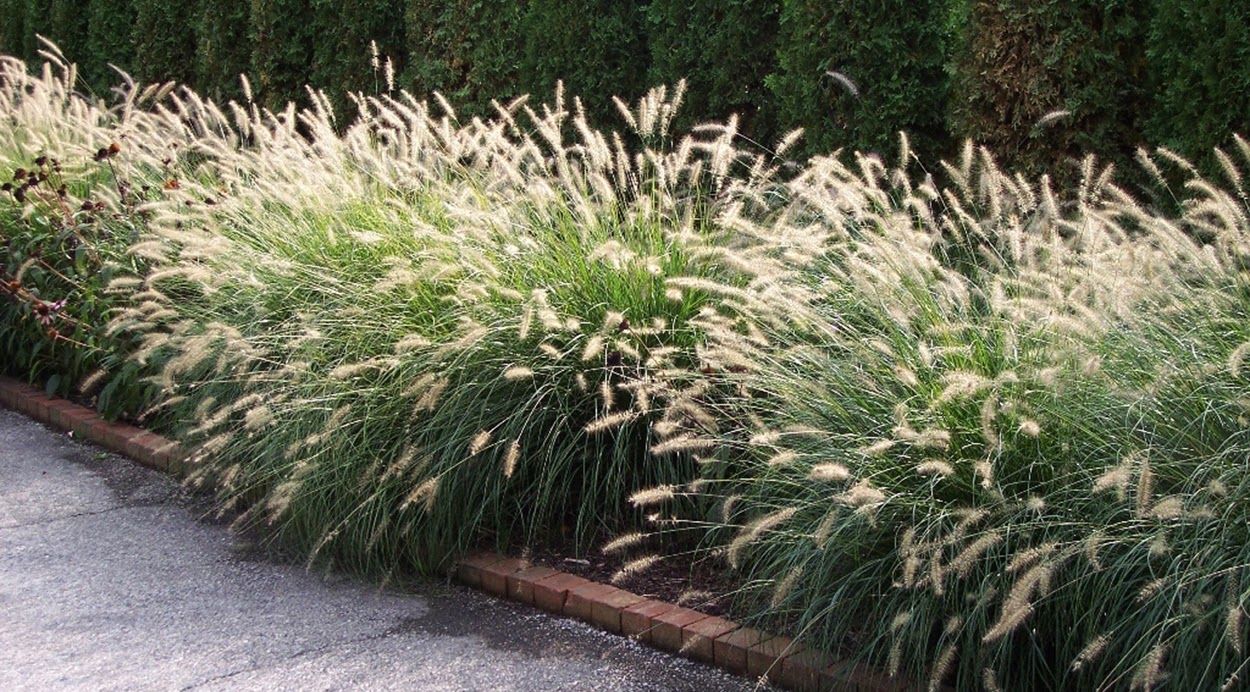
(701, 586)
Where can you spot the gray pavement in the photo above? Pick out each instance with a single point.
(111, 578)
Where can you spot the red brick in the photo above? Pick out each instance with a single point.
(765, 657)
(145, 448)
(71, 418)
(495, 576)
(730, 650)
(171, 457)
(636, 620)
(551, 593)
(606, 612)
(697, 637)
(59, 412)
(469, 569)
(521, 584)
(8, 392)
(666, 630)
(580, 601)
(35, 404)
(802, 671)
(115, 436)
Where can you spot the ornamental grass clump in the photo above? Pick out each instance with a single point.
(980, 431)
(1006, 444)
(391, 342)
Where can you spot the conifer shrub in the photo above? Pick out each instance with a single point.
(359, 43)
(468, 50)
(164, 41)
(854, 74)
(282, 38)
(13, 28)
(1198, 66)
(67, 26)
(597, 48)
(1044, 83)
(724, 50)
(222, 48)
(109, 42)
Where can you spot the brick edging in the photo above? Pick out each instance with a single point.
(145, 447)
(662, 625)
(669, 627)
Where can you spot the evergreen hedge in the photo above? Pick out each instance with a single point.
(164, 41)
(342, 60)
(67, 26)
(466, 49)
(854, 73)
(724, 49)
(282, 48)
(1022, 62)
(598, 48)
(109, 26)
(1040, 83)
(1198, 58)
(13, 28)
(222, 48)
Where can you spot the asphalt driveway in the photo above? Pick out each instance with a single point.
(112, 577)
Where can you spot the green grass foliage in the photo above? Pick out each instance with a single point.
(990, 432)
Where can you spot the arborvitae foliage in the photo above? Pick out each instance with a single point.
(342, 60)
(164, 40)
(12, 26)
(724, 49)
(36, 22)
(1081, 62)
(597, 47)
(469, 50)
(67, 27)
(854, 73)
(222, 50)
(109, 26)
(282, 42)
(1199, 61)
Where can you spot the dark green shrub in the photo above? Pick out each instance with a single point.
(893, 53)
(67, 28)
(469, 50)
(1199, 61)
(597, 47)
(13, 26)
(109, 25)
(282, 44)
(222, 49)
(36, 21)
(342, 60)
(164, 40)
(1023, 61)
(724, 49)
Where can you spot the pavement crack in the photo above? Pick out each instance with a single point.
(65, 517)
(289, 657)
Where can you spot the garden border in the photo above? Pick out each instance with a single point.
(684, 631)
